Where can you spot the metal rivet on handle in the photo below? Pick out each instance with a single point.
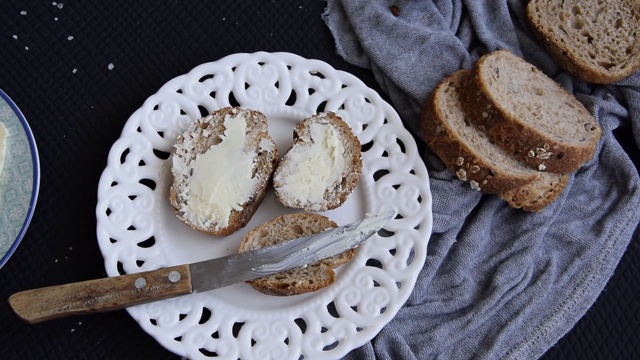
(140, 283)
(174, 276)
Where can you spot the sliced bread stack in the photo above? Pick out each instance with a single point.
(506, 128)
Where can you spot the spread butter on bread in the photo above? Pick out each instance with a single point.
(308, 278)
(595, 41)
(221, 168)
(322, 167)
(528, 114)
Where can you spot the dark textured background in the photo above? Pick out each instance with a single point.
(76, 117)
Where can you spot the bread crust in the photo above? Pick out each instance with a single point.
(536, 195)
(309, 278)
(336, 194)
(561, 39)
(457, 155)
(525, 142)
(264, 166)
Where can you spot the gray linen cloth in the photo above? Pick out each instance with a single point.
(498, 282)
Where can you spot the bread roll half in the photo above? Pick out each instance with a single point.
(221, 169)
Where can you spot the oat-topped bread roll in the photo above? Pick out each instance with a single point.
(596, 41)
(466, 151)
(300, 280)
(528, 114)
(537, 194)
(322, 167)
(221, 169)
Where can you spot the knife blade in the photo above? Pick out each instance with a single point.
(100, 295)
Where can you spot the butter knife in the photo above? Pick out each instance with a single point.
(100, 295)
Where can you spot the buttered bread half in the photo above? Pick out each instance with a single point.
(322, 167)
(308, 278)
(221, 168)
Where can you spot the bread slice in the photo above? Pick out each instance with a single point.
(466, 151)
(299, 280)
(528, 114)
(595, 41)
(322, 167)
(537, 194)
(221, 169)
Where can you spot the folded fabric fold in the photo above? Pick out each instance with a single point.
(498, 282)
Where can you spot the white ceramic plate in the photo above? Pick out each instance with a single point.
(137, 229)
(19, 180)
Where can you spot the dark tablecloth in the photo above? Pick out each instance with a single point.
(79, 70)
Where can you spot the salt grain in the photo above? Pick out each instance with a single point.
(74, 70)
(26, 48)
(23, 12)
(70, 38)
(60, 6)
(110, 66)
(15, 37)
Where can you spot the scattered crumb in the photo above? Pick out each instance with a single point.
(23, 13)
(26, 48)
(74, 70)
(55, 19)
(110, 66)
(55, 261)
(70, 38)
(15, 37)
(395, 10)
(60, 6)
(72, 330)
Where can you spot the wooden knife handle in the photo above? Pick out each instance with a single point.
(38, 305)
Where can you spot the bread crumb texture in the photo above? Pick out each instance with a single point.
(221, 168)
(311, 277)
(597, 41)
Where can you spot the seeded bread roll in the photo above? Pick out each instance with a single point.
(537, 194)
(322, 167)
(299, 280)
(466, 151)
(528, 114)
(221, 169)
(596, 41)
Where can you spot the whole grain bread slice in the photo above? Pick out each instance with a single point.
(537, 194)
(596, 41)
(528, 114)
(257, 150)
(466, 151)
(323, 166)
(300, 280)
